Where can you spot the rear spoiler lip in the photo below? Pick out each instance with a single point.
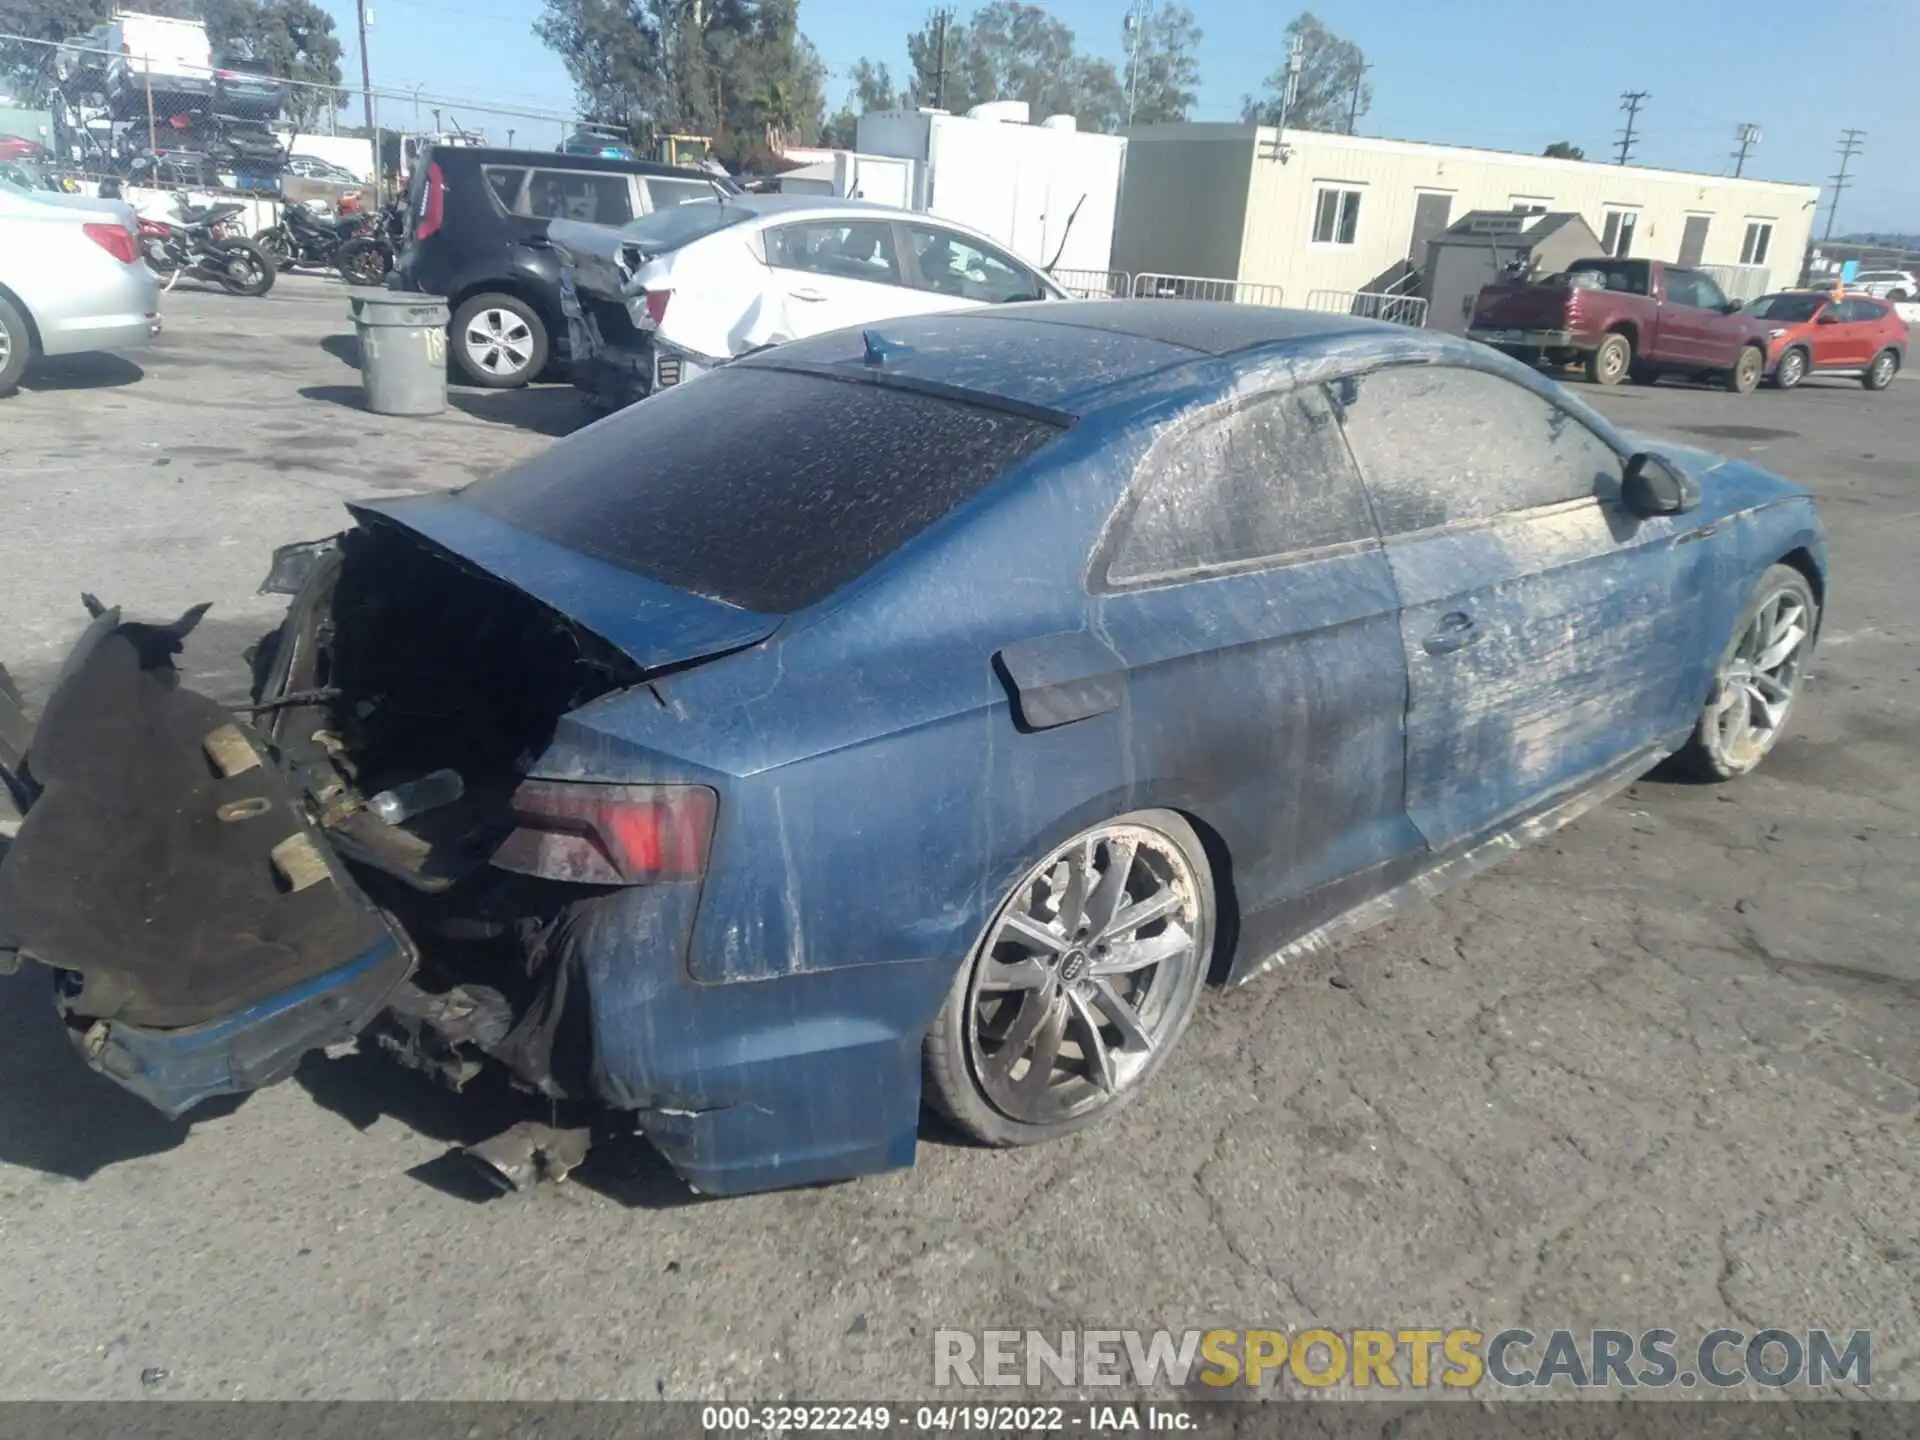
(654, 625)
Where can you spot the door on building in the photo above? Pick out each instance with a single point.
(1693, 240)
(1430, 213)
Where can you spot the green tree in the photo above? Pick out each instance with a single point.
(737, 70)
(1564, 150)
(1162, 73)
(873, 89)
(1332, 84)
(1012, 51)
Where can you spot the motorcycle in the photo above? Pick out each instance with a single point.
(369, 257)
(206, 244)
(304, 238)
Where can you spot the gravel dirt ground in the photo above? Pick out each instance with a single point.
(1658, 1071)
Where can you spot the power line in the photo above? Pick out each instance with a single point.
(1630, 102)
(1849, 147)
(1748, 136)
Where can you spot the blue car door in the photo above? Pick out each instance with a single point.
(1243, 582)
(1548, 633)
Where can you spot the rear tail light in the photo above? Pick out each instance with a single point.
(433, 204)
(113, 239)
(609, 834)
(657, 305)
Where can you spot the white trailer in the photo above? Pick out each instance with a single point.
(1047, 192)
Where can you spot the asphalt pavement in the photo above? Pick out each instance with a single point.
(1658, 1071)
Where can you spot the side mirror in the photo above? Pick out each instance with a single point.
(1654, 485)
(1731, 307)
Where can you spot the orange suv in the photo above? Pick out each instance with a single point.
(1809, 332)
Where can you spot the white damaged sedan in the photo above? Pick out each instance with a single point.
(690, 287)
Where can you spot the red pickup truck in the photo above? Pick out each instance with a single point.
(1638, 318)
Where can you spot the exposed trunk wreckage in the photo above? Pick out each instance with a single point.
(239, 900)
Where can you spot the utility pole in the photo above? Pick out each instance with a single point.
(1136, 28)
(940, 18)
(1296, 61)
(1849, 147)
(1353, 106)
(1629, 102)
(366, 97)
(1748, 136)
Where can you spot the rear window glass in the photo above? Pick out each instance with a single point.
(1630, 277)
(760, 488)
(676, 225)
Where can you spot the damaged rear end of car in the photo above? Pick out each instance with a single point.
(365, 855)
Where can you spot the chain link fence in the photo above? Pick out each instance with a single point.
(81, 115)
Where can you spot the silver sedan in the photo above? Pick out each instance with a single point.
(72, 279)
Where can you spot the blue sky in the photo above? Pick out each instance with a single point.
(1501, 73)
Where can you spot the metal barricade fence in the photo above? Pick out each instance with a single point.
(1371, 305)
(1094, 284)
(1153, 286)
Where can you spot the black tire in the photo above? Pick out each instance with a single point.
(16, 346)
(1744, 377)
(1705, 755)
(364, 262)
(1898, 297)
(1642, 373)
(278, 246)
(495, 314)
(953, 1083)
(1791, 370)
(1879, 374)
(245, 269)
(1611, 362)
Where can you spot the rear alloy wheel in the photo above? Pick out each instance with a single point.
(1880, 373)
(1609, 364)
(1084, 980)
(1758, 679)
(1744, 377)
(15, 347)
(498, 342)
(1791, 370)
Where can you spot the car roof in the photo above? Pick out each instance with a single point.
(554, 159)
(1060, 354)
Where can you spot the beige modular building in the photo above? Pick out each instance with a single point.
(1303, 218)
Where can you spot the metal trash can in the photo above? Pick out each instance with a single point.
(403, 351)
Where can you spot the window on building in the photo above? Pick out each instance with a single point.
(1528, 205)
(1336, 216)
(1616, 238)
(1753, 249)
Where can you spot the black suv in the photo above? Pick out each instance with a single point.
(478, 221)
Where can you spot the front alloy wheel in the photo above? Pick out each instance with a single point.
(1086, 976)
(1760, 676)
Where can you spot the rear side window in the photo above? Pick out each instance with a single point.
(662, 192)
(592, 196)
(1439, 446)
(504, 181)
(1238, 485)
(761, 488)
(850, 249)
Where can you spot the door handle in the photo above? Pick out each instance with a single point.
(1455, 631)
(1700, 534)
(808, 294)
